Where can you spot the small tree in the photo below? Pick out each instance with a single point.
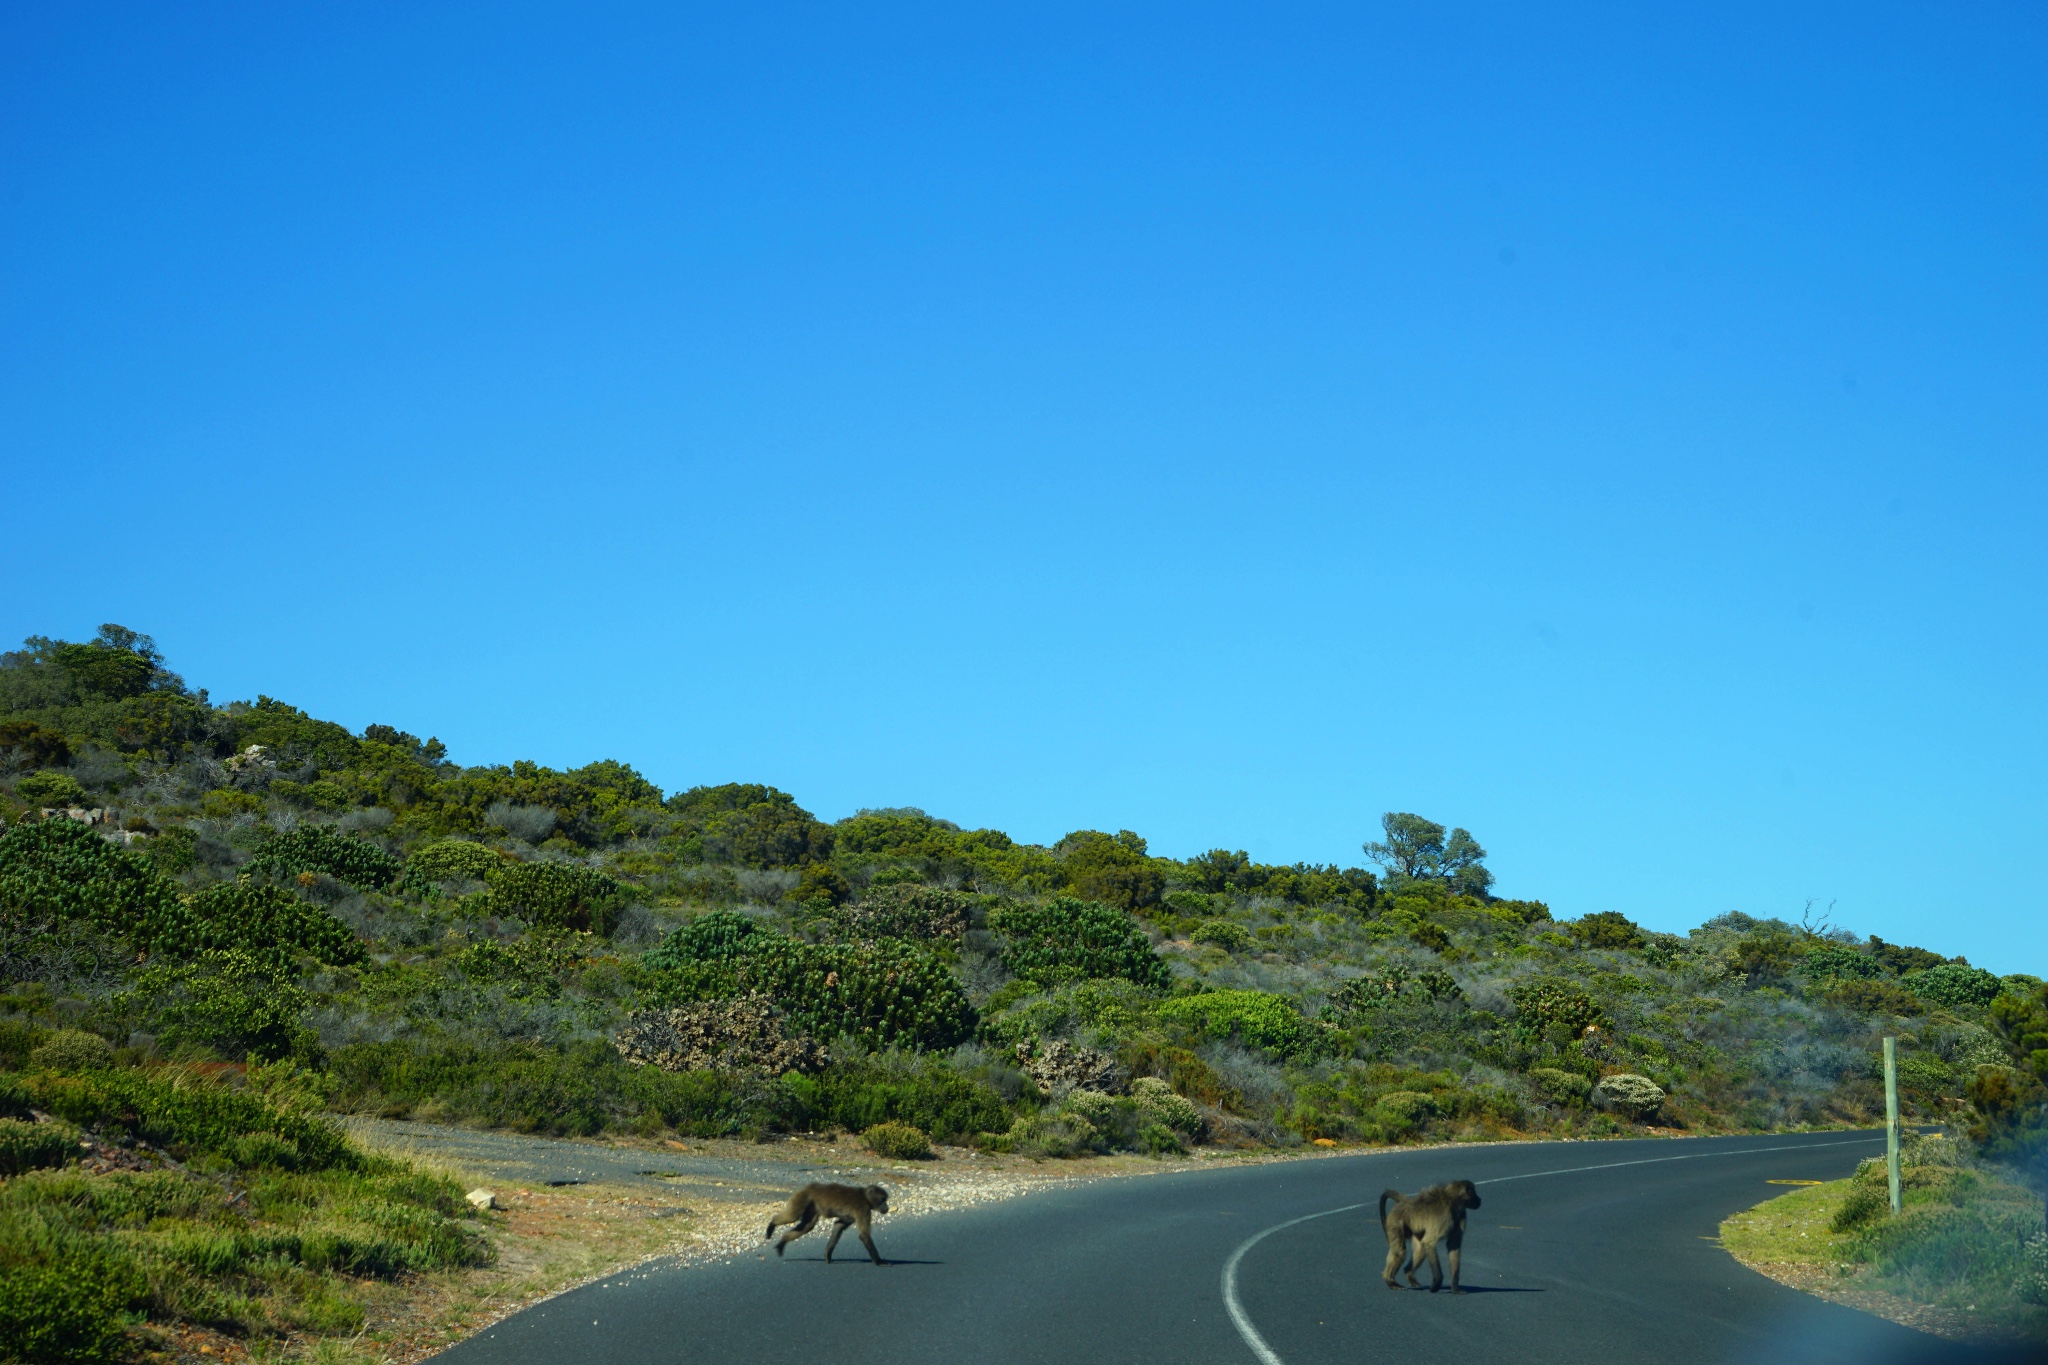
(1416, 850)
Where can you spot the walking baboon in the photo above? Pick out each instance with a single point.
(1415, 1226)
(846, 1205)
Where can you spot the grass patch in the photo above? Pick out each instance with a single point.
(199, 1203)
(1966, 1242)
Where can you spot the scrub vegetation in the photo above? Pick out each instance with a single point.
(243, 905)
(1967, 1242)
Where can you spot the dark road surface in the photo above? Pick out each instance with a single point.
(1583, 1252)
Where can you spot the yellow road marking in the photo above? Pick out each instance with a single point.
(1795, 1182)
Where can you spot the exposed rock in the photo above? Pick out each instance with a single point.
(1058, 1067)
(742, 1037)
(1638, 1097)
(250, 759)
(481, 1200)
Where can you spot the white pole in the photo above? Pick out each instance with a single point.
(1891, 1116)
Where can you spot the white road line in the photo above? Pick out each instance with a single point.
(1267, 1356)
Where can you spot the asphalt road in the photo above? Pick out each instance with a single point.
(1583, 1252)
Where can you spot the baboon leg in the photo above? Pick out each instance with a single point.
(1456, 1252)
(839, 1225)
(869, 1243)
(1397, 1252)
(1414, 1261)
(797, 1229)
(1436, 1265)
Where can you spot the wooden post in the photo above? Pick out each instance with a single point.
(1891, 1116)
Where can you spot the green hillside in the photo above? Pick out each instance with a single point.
(189, 888)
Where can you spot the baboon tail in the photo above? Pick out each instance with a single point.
(1385, 1195)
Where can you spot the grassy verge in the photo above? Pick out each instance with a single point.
(1963, 1259)
(183, 1212)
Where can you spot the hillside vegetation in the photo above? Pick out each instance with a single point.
(195, 896)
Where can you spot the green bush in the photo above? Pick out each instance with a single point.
(61, 868)
(556, 896)
(1255, 1018)
(265, 921)
(1953, 985)
(1156, 1139)
(31, 1146)
(1112, 1007)
(1069, 940)
(1160, 1104)
(1541, 1006)
(1830, 962)
(888, 993)
(50, 789)
(1865, 1202)
(1874, 997)
(447, 860)
(1607, 929)
(1053, 1134)
(1562, 1087)
(1404, 1111)
(73, 1050)
(309, 848)
(1228, 935)
(898, 1140)
(234, 1002)
(69, 1311)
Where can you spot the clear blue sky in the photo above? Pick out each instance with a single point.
(1618, 432)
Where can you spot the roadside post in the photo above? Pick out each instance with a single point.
(1891, 1116)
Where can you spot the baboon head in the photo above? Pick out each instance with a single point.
(1466, 1193)
(878, 1199)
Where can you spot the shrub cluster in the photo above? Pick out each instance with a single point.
(887, 993)
(555, 896)
(743, 1036)
(1256, 1018)
(1069, 940)
(312, 849)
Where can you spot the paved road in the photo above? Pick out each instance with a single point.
(1584, 1252)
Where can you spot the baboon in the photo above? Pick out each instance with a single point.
(846, 1205)
(1415, 1226)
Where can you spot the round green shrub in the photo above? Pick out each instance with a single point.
(73, 1050)
(61, 868)
(1161, 1105)
(258, 919)
(1157, 1139)
(899, 1141)
(1953, 985)
(1405, 1110)
(1069, 940)
(556, 896)
(309, 848)
(1228, 935)
(1255, 1018)
(50, 789)
(887, 993)
(447, 860)
(1562, 1087)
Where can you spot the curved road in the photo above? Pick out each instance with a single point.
(1583, 1252)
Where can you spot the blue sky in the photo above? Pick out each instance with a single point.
(1616, 432)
